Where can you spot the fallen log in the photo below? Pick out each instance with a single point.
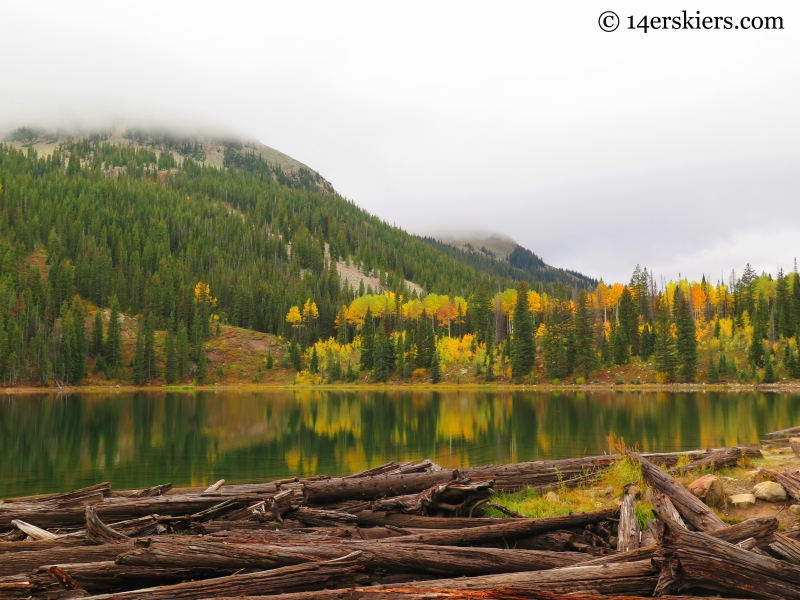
(760, 529)
(790, 480)
(628, 533)
(411, 558)
(14, 563)
(507, 477)
(787, 547)
(306, 577)
(456, 498)
(404, 592)
(691, 560)
(66, 498)
(99, 532)
(791, 431)
(397, 468)
(691, 508)
(156, 490)
(369, 518)
(729, 457)
(665, 507)
(114, 509)
(633, 579)
(505, 532)
(670, 459)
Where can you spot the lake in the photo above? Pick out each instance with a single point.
(52, 443)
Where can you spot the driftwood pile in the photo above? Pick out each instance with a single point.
(402, 530)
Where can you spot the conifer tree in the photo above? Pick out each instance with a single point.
(170, 354)
(583, 333)
(270, 361)
(113, 353)
(756, 351)
(400, 355)
(4, 350)
(435, 369)
(381, 355)
(794, 371)
(367, 342)
(606, 355)
(139, 366)
(769, 371)
(202, 365)
(665, 352)
(313, 366)
(480, 313)
(97, 335)
(79, 343)
(182, 351)
(687, 338)
(628, 321)
(489, 362)
(723, 365)
(648, 341)
(149, 349)
(712, 375)
(523, 344)
(621, 353)
(796, 303)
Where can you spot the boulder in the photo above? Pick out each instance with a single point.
(708, 488)
(769, 491)
(795, 444)
(742, 500)
(795, 509)
(551, 497)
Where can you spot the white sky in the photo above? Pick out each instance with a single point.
(677, 150)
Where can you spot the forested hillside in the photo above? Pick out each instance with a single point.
(138, 224)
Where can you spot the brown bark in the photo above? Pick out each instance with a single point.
(691, 508)
(787, 547)
(306, 577)
(75, 496)
(729, 457)
(156, 490)
(695, 560)
(790, 480)
(665, 507)
(628, 533)
(21, 562)
(670, 459)
(504, 532)
(368, 518)
(99, 532)
(457, 498)
(412, 558)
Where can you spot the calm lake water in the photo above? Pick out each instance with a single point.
(57, 443)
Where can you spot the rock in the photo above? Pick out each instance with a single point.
(551, 497)
(608, 491)
(769, 491)
(795, 509)
(742, 500)
(708, 488)
(795, 444)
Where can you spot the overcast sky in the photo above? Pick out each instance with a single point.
(677, 150)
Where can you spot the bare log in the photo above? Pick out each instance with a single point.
(369, 518)
(99, 532)
(692, 508)
(458, 498)
(787, 547)
(31, 530)
(409, 592)
(696, 560)
(215, 486)
(411, 558)
(505, 532)
(665, 507)
(670, 459)
(14, 563)
(628, 535)
(790, 480)
(306, 577)
(75, 496)
(729, 457)
(791, 431)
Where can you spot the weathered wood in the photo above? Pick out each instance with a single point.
(505, 532)
(787, 547)
(691, 508)
(114, 509)
(670, 459)
(505, 510)
(412, 558)
(791, 431)
(31, 530)
(14, 563)
(628, 533)
(790, 480)
(664, 506)
(457, 498)
(67, 497)
(215, 486)
(506, 477)
(369, 518)
(729, 457)
(397, 468)
(409, 592)
(306, 577)
(637, 579)
(99, 532)
(692, 560)
(760, 529)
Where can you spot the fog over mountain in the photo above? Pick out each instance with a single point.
(673, 149)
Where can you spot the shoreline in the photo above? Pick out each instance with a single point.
(793, 387)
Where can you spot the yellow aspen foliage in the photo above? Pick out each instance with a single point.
(293, 317)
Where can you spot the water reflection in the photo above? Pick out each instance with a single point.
(52, 443)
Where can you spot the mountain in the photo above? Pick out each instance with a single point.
(161, 224)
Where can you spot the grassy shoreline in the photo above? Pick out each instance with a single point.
(784, 387)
